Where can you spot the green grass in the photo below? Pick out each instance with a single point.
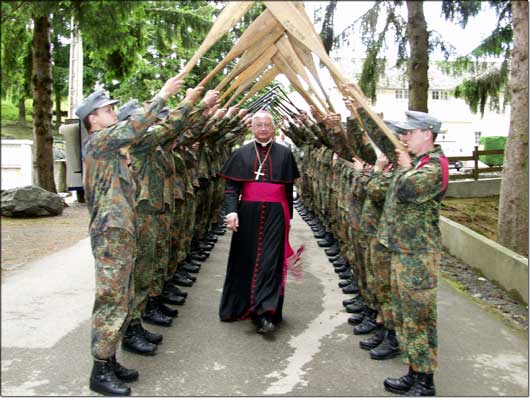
(11, 130)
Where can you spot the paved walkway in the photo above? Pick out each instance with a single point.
(46, 310)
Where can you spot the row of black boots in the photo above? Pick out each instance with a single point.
(108, 377)
(383, 343)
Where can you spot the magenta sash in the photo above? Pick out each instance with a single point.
(275, 193)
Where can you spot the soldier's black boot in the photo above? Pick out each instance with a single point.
(373, 341)
(123, 373)
(134, 341)
(423, 386)
(354, 300)
(170, 296)
(389, 348)
(401, 385)
(155, 338)
(167, 311)
(352, 288)
(104, 381)
(355, 308)
(368, 324)
(152, 314)
(356, 319)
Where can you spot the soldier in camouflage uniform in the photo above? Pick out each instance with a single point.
(409, 229)
(384, 344)
(110, 192)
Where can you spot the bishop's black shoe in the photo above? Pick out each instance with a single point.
(373, 341)
(264, 325)
(400, 385)
(389, 347)
(134, 341)
(423, 386)
(104, 381)
(123, 373)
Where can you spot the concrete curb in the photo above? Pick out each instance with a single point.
(474, 189)
(497, 263)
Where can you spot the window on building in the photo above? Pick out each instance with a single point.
(440, 95)
(401, 94)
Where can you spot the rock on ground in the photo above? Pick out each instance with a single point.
(31, 201)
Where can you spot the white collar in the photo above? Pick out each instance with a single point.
(263, 144)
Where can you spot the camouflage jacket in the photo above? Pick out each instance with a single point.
(409, 223)
(153, 168)
(109, 185)
(376, 190)
(358, 190)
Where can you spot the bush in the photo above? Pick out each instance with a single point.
(9, 111)
(493, 142)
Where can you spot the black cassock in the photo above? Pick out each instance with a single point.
(255, 275)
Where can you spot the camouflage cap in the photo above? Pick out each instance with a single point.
(420, 120)
(392, 125)
(128, 109)
(98, 99)
(164, 112)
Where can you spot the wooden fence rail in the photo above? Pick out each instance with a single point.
(476, 170)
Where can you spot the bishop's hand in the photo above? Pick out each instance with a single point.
(232, 222)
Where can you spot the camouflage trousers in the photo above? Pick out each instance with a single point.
(114, 255)
(369, 270)
(359, 265)
(161, 254)
(380, 260)
(201, 212)
(189, 221)
(148, 227)
(177, 251)
(414, 279)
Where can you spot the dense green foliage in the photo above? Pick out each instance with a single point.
(492, 142)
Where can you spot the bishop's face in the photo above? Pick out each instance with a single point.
(262, 127)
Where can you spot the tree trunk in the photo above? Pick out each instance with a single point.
(57, 108)
(41, 81)
(22, 111)
(418, 63)
(512, 229)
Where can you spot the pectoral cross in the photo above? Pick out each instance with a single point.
(258, 173)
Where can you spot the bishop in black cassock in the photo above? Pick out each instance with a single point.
(259, 205)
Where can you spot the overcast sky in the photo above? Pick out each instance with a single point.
(465, 41)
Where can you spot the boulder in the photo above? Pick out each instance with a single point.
(30, 201)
